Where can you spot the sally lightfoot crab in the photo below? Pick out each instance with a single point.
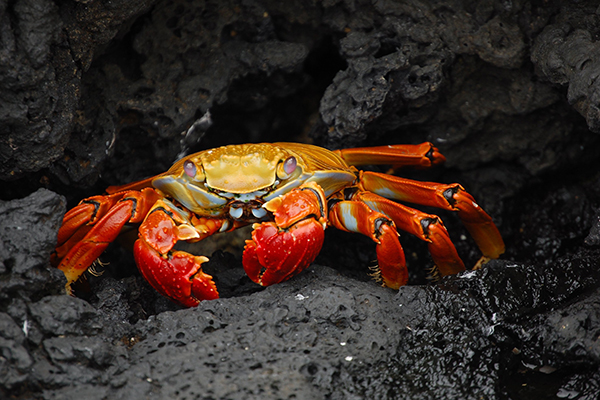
(291, 193)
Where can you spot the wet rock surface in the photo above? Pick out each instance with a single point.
(97, 93)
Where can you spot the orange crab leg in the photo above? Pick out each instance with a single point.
(356, 216)
(90, 227)
(138, 185)
(81, 218)
(417, 155)
(426, 227)
(448, 197)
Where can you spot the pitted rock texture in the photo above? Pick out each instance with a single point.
(511, 330)
(347, 73)
(46, 49)
(565, 53)
(29, 229)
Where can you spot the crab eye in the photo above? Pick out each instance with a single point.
(189, 168)
(286, 168)
(289, 165)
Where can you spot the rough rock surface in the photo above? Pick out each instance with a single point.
(95, 93)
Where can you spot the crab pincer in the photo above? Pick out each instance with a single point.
(283, 248)
(175, 274)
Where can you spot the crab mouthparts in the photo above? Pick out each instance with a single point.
(247, 211)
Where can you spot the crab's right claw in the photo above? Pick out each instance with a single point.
(178, 276)
(175, 274)
(274, 255)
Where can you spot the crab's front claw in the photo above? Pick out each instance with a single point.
(175, 274)
(178, 276)
(275, 255)
(281, 249)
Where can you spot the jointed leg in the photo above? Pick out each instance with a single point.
(422, 155)
(448, 197)
(426, 227)
(91, 226)
(356, 216)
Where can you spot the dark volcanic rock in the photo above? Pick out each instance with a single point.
(97, 93)
(45, 49)
(27, 238)
(564, 54)
(327, 336)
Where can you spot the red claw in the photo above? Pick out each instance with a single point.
(281, 249)
(178, 276)
(273, 256)
(174, 274)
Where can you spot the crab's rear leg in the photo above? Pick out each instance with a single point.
(92, 225)
(445, 196)
(357, 216)
(426, 227)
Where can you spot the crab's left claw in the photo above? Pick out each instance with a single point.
(281, 249)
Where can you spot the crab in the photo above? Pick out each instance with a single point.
(291, 193)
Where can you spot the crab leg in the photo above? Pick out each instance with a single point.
(426, 227)
(357, 216)
(79, 220)
(448, 197)
(417, 155)
(176, 274)
(91, 226)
